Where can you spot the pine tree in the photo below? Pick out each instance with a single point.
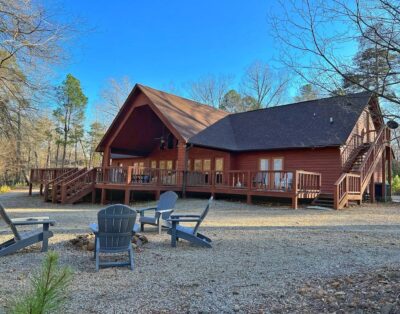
(70, 111)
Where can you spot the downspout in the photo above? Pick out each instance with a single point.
(187, 148)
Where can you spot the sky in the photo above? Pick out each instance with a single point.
(164, 44)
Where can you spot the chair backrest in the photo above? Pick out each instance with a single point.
(167, 201)
(115, 227)
(8, 221)
(203, 215)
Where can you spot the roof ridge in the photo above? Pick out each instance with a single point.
(302, 102)
(178, 96)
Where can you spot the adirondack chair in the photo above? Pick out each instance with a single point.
(113, 234)
(162, 212)
(25, 238)
(190, 234)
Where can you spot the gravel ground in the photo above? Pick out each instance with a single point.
(263, 260)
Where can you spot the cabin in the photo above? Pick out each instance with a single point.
(332, 151)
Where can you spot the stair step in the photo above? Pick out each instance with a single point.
(322, 201)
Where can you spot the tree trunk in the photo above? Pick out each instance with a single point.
(57, 153)
(48, 157)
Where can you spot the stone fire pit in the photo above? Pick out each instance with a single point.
(85, 242)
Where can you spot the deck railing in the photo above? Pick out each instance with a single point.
(138, 176)
(42, 175)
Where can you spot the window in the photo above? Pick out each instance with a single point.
(219, 164)
(219, 168)
(198, 165)
(263, 178)
(206, 164)
(189, 164)
(162, 164)
(278, 176)
(169, 164)
(264, 164)
(153, 164)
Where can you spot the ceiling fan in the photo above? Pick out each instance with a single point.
(161, 139)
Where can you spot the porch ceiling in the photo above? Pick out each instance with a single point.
(139, 134)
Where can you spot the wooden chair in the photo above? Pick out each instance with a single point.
(162, 212)
(113, 234)
(190, 234)
(23, 239)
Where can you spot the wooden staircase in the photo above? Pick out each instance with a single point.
(70, 187)
(359, 164)
(353, 182)
(324, 200)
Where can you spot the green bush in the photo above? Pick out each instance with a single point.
(396, 184)
(48, 289)
(4, 189)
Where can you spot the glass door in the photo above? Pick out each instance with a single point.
(278, 166)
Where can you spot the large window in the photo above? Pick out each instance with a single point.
(206, 164)
(219, 164)
(169, 164)
(198, 165)
(219, 168)
(162, 164)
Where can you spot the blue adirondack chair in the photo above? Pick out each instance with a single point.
(113, 234)
(25, 238)
(190, 234)
(162, 212)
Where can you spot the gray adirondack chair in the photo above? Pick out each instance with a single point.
(113, 234)
(162, 212)
(190, 234)
(23, 239)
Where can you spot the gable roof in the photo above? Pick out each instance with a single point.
(187, 117)
(300, 125)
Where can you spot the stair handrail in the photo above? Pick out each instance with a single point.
(66, 185)
(356, 141)
(341, 190)
(63, 176)
(377, 144)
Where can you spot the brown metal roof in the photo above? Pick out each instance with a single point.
(186, 116)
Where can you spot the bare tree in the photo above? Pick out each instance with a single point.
(264, 85)
(315, 37)
(210, 89)
(112, 97)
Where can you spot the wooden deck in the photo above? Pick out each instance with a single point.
(73, 184)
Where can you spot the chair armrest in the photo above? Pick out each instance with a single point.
(162, 211)
(33, 221)
(184, 215)
(183, 219)
(94, 227)
(141, 210)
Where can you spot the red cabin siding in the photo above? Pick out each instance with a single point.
(323, 160)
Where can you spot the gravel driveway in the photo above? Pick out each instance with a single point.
(261, 257)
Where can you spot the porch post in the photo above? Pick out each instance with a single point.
(372, 188)
(295, 192)
(103, 196)
(389, 159)
(127, 196)
(384, 175)
(106, 157)
(181, 164)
